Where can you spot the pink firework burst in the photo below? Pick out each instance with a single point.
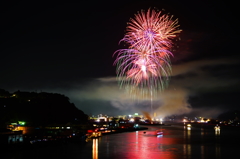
(151, 30)
(146, 64)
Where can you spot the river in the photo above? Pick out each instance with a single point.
(177, 142)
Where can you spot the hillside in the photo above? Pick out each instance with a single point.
(38, 109)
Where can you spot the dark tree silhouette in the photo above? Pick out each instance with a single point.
(39, 109)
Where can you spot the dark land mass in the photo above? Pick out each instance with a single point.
(38, 109)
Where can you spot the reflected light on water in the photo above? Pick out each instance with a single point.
(218, 151)
(95, 149)
(136, 145)
(187, 138)
(149, 145)
(217, 132)
(217, 147)
(174, 143)
(202, 151)
(202, 131)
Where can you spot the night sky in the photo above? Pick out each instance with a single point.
(68, 48)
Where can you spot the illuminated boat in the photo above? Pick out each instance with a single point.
(158, 132)
(93, 134)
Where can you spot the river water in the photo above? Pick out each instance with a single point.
(177, 142)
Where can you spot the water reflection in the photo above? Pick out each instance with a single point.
(136, 145)
(217, 132)
(12, 139)
(202, 131)
(218, 151)
(95, 149)
(175, 143)
(187, 138)
(141, 145)
(202, 151)
(217, 147)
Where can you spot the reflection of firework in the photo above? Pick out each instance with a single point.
(146, 63)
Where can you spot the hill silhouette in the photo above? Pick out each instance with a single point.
(38, 109)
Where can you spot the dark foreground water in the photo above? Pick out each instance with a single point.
(177, 142)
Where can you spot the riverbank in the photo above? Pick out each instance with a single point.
(203, 125)
(29, 142)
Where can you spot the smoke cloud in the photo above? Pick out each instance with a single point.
(173, 102)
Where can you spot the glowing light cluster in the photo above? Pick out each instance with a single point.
(145, 65)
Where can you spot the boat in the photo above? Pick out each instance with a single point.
(93, 134)
(158, 132)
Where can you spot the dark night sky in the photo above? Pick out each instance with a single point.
(67, 48)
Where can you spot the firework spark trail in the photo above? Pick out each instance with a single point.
(143, 67)
(146, 64)
(151, 30)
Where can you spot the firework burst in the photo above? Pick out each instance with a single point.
(151, 30)
(145, 65)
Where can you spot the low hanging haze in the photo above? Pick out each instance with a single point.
(68, 48)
